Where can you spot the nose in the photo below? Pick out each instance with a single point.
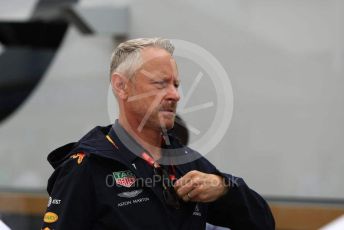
(172, 93)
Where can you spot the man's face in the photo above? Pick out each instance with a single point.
(153, 91)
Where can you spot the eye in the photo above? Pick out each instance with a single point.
(160, 84)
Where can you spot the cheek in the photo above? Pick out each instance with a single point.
(143, 106)
(140, 103)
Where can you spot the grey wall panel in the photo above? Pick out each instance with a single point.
(285, 61)
(69, 100)
(16, 10)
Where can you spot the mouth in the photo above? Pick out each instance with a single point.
(168, 111)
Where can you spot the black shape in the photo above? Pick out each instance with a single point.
(180, 130)
(29, 49)
(21, 70)
(35, 34)
(53, 3)
(21, 221)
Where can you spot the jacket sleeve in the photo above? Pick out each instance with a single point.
(240, 208)
(71, 191)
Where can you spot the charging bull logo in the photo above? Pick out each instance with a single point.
(79, 156)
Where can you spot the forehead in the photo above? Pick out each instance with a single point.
(158, 60)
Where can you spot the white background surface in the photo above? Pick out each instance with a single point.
(16, 10)
(337, 224)
(285, 62)
(3, 226)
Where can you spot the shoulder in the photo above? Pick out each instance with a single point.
(75, 167)
(83, 163)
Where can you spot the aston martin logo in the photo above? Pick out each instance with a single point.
(130, 194)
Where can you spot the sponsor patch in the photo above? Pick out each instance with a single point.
(197, 212)
(130, 194)
(50, 217)
(49, 201)
(124, 178)
(133, 202)
(79, 156)
(53, 201)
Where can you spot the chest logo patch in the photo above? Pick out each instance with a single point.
(124, 178)
(130, 194)
(79, 156)
(50, 217)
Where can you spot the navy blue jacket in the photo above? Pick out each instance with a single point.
(93, 187)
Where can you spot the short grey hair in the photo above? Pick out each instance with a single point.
(126, 58)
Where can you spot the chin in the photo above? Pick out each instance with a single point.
(168, 124)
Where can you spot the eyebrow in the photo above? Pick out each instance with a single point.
(175, 80)
(163, 76)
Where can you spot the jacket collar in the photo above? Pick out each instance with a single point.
(171, 149)
(126, 152)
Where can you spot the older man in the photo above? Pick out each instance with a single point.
(129, 175)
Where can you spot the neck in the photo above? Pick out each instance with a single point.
(149, 139)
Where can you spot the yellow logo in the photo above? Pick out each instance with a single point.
(50, 217)
(46, 228)
(80, 157)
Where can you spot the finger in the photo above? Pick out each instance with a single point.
(198, 194)
(204, 193)
(184, 189)
(181, 182)
(194, 178)
(186, 178)
(187, 197)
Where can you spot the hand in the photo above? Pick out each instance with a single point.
(200, 187)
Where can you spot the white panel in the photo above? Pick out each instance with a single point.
(285, 61)
(337, 224)
(16, 10)
(97, 3)
(3, 226)
(108, 20)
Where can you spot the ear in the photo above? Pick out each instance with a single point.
(119, 85)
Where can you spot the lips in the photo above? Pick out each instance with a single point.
(171, 110)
